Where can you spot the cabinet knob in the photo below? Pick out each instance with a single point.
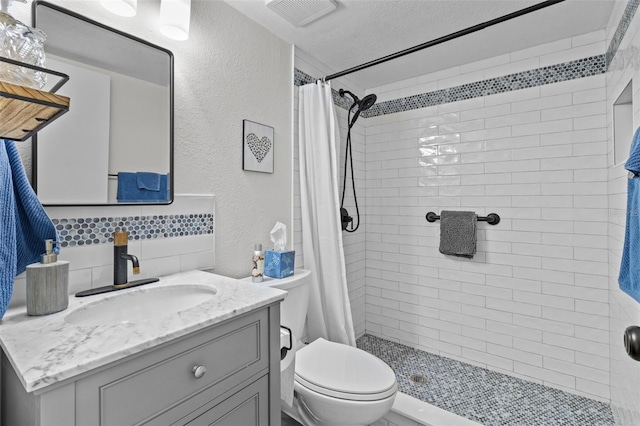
(198, 371)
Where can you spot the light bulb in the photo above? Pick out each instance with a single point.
(174, 18)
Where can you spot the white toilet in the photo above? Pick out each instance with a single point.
(335, 384)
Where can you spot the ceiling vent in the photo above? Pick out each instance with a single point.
(301, 12)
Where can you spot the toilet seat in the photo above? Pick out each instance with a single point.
(342, 371)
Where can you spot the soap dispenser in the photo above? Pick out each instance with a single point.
(47, 284)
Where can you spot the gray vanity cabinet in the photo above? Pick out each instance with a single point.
(246, 408)
(224, 375)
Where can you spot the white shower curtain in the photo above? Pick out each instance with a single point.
(329, 313)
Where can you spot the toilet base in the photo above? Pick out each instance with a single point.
(306, 421)
(313, 409)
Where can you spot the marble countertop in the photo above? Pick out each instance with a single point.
(45, 350)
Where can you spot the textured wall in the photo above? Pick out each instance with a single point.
(230, 69)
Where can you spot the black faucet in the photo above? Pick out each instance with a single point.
(120, 257)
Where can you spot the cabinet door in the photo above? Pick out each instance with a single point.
(147, 386)
(249, 407)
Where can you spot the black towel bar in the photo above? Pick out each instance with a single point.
(491, 218)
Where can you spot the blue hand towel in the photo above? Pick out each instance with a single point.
(148, 181)
(142, 187)
(24, 224)
(629, 277)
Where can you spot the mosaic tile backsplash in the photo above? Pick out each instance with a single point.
(482, 395)
(99, 230)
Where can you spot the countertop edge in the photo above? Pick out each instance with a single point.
(34, 378)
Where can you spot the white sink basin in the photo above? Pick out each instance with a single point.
(131, 306)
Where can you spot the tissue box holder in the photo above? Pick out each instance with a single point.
(279, 264)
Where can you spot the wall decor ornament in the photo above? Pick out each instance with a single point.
(257, 147)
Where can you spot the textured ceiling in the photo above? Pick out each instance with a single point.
(359, 31)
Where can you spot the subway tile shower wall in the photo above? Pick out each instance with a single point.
(533, 301)
(624, 311)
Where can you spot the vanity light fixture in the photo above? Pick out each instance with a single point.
(125, 8)
(174, 18)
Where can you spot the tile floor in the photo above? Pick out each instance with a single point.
(482, 395)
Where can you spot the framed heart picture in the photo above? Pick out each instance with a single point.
(257, 147)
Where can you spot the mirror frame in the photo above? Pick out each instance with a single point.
(34, 139)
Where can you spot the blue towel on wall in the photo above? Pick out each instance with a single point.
(629, 278)
(633, 162)
(24, 224)
(148, 181)
(135, 187)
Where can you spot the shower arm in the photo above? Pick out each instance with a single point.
(443, 39)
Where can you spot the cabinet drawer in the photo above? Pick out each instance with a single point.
(249, 407)
(230, 353)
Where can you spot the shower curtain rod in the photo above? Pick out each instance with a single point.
(451, 36)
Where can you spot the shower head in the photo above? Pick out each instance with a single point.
(363, 105)
(367, 102)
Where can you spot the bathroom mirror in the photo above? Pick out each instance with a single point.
(115, 145)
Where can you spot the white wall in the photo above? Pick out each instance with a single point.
(230, 69)
(137, 104)
(625, 372)
(87, 181)
(533, 301)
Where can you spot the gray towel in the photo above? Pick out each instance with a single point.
(458, 233)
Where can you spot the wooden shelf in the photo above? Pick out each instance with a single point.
(24, 111)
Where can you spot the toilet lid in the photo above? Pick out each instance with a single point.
(342, 371)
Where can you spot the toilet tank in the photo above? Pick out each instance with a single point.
(293, 309)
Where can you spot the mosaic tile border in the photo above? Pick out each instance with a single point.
(74, 232)
(571, 70)
(621, 30)
(532, 78)
(536, 77)
(484, 396)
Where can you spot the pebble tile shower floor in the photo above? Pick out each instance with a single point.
(482, 395)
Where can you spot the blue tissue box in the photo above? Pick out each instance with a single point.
(279, 264)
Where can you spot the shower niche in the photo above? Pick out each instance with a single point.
(623, 125)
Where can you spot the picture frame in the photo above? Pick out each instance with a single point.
(257, 147)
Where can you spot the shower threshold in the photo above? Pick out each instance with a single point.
(482, 395)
